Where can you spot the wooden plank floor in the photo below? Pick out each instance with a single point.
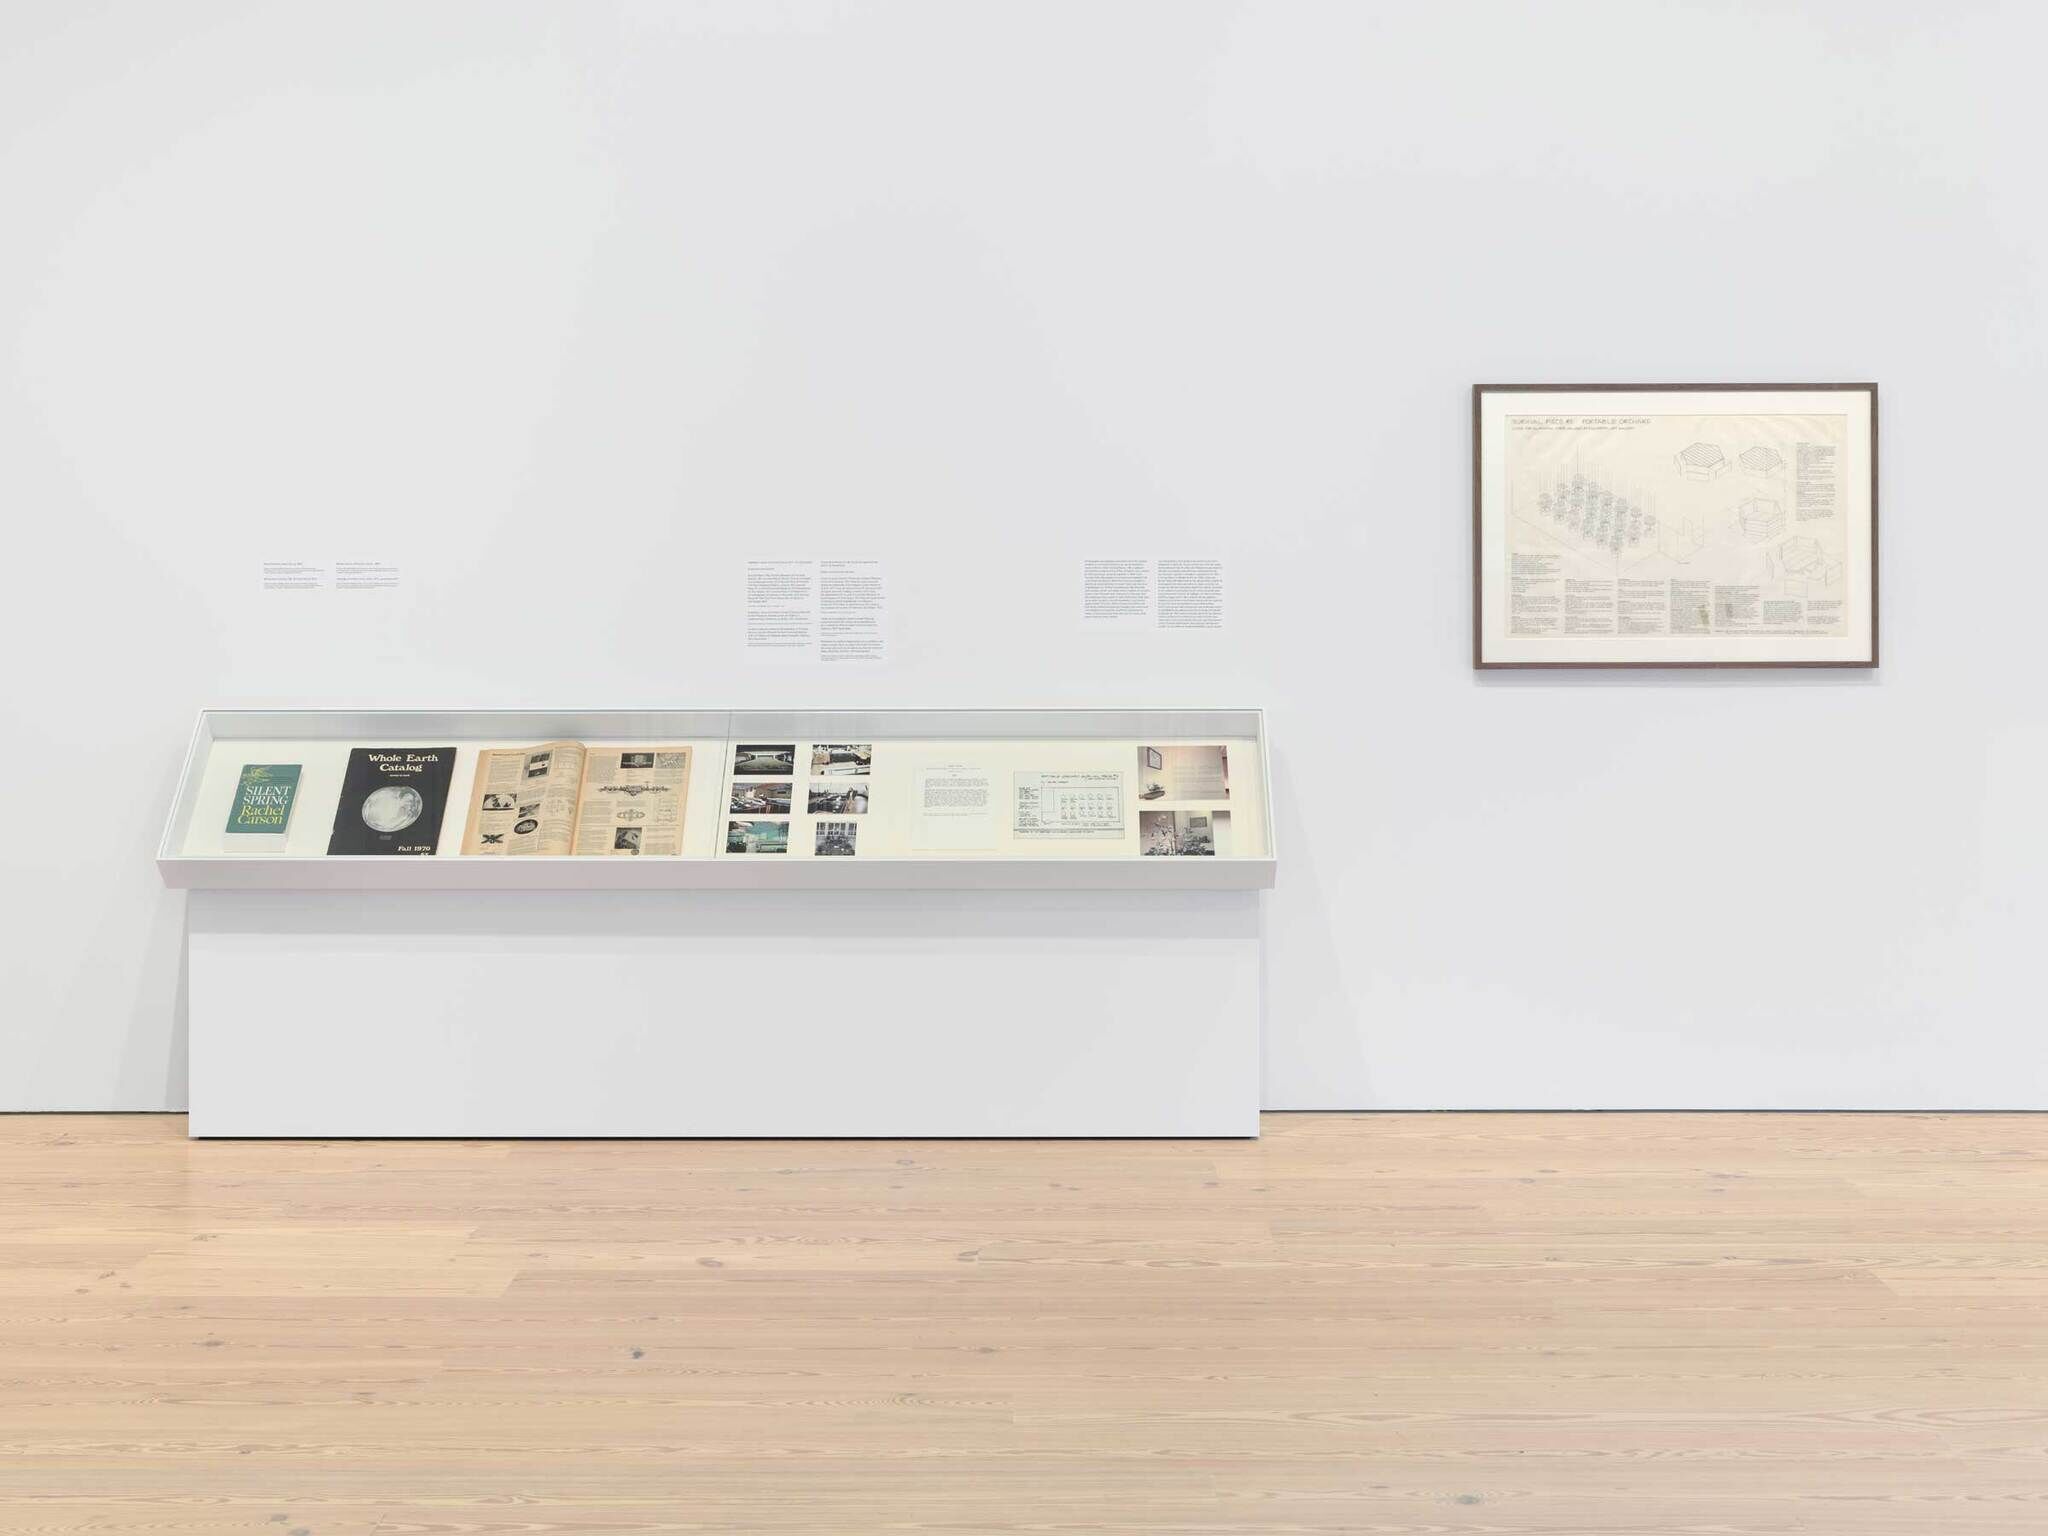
(1380, 1324)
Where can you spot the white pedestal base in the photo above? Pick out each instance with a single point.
(728, 1013)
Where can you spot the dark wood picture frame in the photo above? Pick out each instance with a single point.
(1479, 394)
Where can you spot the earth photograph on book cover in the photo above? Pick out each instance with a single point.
(392, 799)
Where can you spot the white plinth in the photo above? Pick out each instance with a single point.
(725, 1013)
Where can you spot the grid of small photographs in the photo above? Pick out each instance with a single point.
(1184, 800)
(774, 782)
(763, 784)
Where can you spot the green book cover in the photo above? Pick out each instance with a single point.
(263, 798)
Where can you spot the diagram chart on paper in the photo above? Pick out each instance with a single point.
(1676, 525)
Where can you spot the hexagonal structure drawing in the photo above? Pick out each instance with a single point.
(1761, 462)
(1801, 555)
(1761, 518)
(1702, 461)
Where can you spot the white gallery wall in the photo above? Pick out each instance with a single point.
(566, 311)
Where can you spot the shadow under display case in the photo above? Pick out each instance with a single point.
(924, 922)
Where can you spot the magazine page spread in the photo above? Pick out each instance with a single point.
(524, 800)
(633, 801)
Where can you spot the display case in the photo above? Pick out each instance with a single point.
(904, 799)
(724, 923)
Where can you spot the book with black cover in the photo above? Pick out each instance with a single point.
(392, 799)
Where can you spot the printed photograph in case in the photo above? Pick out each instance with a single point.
(841, 759)
(765, 797)
(1183, 773)
(1182, 834)
(836, 839)
(754, 761)
(757, 837)
(838, 799)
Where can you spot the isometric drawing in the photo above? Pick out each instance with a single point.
(1593, 516)
(1761, 518)
(1800, 555)
(1680, 539)
(1802, 567)
(1702, 461)
(1599, 531)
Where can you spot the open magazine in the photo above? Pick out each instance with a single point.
(563, 797)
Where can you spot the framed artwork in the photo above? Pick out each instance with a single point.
(1674, 525)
